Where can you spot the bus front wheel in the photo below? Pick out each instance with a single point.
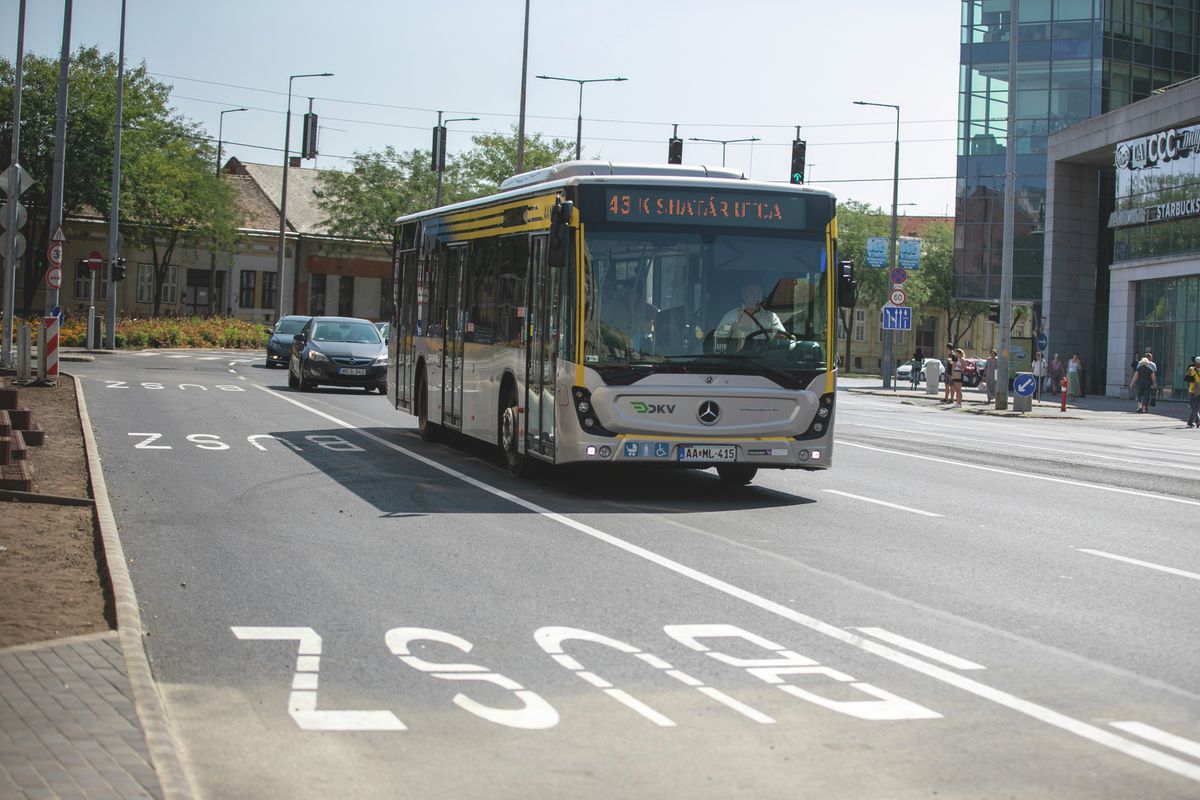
(510, 430)
(736, 474)
(428, 431)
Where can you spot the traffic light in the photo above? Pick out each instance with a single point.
(798, 148)
(438, 162)
(118, 270)
(994, 314)
(675, 150)
(308, 141)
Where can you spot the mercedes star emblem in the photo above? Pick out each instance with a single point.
(709, 413)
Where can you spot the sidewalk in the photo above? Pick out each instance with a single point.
(976, 402)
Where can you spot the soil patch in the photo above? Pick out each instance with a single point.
(52, 579)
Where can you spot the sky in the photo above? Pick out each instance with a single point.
(719, 69)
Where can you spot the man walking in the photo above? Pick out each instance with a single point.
(1039, 369)
(1192, 379)
(989, 376)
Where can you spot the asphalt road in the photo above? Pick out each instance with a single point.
(962, 607)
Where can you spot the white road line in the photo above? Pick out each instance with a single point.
(1017, 474)
(1041, 713)
(921, 649)
(1153, 734)
(1182, 572)
(178, 355)
(209, 358)
(883, 503)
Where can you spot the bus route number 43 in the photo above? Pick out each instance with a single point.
(788, 671)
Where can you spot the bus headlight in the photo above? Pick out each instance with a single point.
(823, 412)
(586, 412)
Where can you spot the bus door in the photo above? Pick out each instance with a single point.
(541, 355)
(452, 343)
(401, 337)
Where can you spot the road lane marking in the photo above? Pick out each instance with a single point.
(1153, 734)
(1018, 474)
(921, 649)
(1172, 570)
(1035, 711)
(883, 503)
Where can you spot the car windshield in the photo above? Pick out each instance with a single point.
(290, 326)
(688, 297)
(345, 331)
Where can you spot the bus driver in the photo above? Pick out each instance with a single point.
(750, 320)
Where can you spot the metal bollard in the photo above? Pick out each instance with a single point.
(1064, 394)
(24, 357)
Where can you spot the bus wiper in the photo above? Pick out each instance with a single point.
(779, 375)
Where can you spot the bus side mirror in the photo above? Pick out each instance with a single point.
(560, 233)
(847, 288)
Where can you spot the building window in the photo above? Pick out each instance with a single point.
(268, 290)
(249, 279)
(145, 285)
(83, 280)
(860, 324)
(316, 294)
(346, 296)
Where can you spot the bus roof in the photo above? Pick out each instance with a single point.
(601, 172)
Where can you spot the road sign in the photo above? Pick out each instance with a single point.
(898, 297)
(1043, 341)
(57, 236)
(898, 275)
(54, 254)
(95, 260)
(897, 318)
(22, 215)
(24, 179)
(4, 240)
(1024, 384)
(54, 277)
(877, 251)
(910, 253)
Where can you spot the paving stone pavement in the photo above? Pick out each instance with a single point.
(68, 728)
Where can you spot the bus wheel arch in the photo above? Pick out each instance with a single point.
(508, 424)
(428, 430)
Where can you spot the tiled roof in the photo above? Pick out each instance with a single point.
(303, 213)
(258, 212)
(912, 226)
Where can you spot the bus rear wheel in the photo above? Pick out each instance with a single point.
(427, 430)
(736, 474)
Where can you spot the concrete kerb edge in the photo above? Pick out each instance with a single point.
(173, 777)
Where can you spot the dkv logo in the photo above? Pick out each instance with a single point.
(652, 408)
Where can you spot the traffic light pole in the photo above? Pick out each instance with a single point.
(1010, 193)
(110, 316)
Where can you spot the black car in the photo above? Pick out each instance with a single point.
(279, 343)
(338, 351)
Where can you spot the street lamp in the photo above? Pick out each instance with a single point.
(581, 82)
(724, 142)
(212, 266)
(887, 334)
(441, 158)
(287, 142)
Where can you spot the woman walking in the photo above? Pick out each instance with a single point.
(1075, 377)
(957, 359)
(1143, 384)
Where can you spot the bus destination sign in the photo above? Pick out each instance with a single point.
(734, 209)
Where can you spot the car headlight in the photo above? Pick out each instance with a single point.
(381, 361)
(317, 355)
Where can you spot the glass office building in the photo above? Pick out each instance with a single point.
(1076, 59)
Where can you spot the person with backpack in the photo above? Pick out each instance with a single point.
(1192, 379)
(1143, 384)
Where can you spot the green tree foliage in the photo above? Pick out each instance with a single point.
(152, 131)
(857, 221)
(362, 202)
(932, 286)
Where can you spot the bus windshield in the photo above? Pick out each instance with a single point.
(707, 298)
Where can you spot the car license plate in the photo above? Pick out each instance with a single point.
(352, 371)
(689, 452)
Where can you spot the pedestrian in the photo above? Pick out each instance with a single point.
(1075, 377)
(989, 375)
(946, 396)
(1192, 379)
(918, 364)
(1039, 369)
(1056, 373)
(1143, 384)
(957, 359)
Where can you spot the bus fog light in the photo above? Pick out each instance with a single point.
(803, 455)
(818, 426)
(816, 454)
(605, 451)
(590, 450)
(589, 422)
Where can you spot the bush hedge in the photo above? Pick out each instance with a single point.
(223, 332)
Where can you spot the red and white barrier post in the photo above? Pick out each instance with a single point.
(48, 350)
(1064, 395)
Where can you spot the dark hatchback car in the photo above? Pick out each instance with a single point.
(279, 343)
(338, 351)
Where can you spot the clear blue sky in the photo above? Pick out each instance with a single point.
(720, 69)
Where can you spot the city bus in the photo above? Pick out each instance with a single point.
(614, 314)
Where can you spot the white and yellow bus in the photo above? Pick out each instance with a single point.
(623, 314)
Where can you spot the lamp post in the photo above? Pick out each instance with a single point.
(442, 156)
(212, 266)
(724, 142)
(287, 137)
(581, 82)
(887, 334)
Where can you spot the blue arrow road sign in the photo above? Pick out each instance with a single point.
(1043, 341)
(897, 318)
(1024, 384)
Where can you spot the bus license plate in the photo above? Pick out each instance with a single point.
(688, 452)
(352, 371)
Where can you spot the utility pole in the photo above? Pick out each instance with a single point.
(521, 121)
(110, 326)
(13, 236)
(1010, 194)
(60, 157)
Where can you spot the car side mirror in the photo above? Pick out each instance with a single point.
(560, 233)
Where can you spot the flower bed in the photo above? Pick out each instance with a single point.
(223, 332)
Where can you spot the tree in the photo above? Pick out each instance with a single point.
(153, 130)
(933, 284)
(493, 159)
(856, 222)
